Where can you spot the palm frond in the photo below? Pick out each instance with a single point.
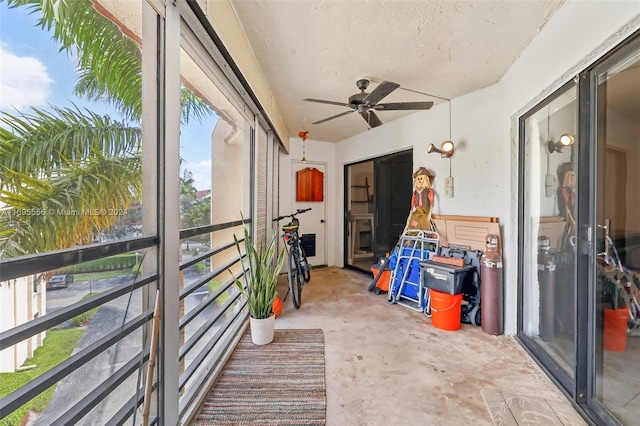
(40, 143)
(193, 106)
(109, 62)
(69, 209)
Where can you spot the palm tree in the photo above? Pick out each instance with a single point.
(58, 164)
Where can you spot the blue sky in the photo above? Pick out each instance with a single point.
(33, 73)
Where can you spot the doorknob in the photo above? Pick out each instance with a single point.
(321, 220)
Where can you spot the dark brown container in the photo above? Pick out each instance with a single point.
(491, 289)
(547, 283)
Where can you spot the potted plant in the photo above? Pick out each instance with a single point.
(262, 267)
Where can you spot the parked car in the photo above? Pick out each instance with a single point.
(59, 281)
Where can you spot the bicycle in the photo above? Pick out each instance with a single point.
(298, 269)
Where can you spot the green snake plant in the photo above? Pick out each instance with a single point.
(260, 276)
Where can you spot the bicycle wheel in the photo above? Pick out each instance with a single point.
(304, 265)
(294, 279)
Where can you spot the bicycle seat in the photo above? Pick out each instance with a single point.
(289, 227)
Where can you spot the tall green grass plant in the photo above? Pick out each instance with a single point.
(262, 268)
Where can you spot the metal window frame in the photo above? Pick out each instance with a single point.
(86, 404)
(169, 220)
(25, 393)
(190, 343)
(589, 223)
(31, 264)
(22, 332)
(205, 53)
(581, 390)
(153, 18)
(197, 361)
(20, 266)
(189, 316)
(207, 229)
(560, 376)
(160, 159)
(198, 22)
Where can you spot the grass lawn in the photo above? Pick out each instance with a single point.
(84, 318)
(57, 347)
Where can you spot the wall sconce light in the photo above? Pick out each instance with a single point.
(565, 140)
(446, 150)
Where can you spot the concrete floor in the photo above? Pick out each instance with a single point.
(387, 365)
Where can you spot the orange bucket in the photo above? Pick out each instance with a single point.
(445, 310)
(615, 329)
(383, 282)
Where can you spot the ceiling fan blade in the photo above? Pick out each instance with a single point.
(403, 106)
(334, 116)
(371, 118)
(383, 89)
(321, 101)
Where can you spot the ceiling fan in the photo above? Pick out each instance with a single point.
(365, 103)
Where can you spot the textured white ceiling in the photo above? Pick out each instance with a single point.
(318, 49)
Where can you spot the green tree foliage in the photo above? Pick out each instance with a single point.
(59, 161)
(193, 212)
(197, 214)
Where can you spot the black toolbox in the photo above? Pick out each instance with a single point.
(446, 278)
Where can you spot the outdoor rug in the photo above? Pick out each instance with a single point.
(282, 383)
(514, 410)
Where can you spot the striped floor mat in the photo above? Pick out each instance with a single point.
(282, 383)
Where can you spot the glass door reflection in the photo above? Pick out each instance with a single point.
(549, 231)
(360, 217)
(617, 268)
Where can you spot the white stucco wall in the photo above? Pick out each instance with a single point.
(7, 321)
(20, 304)
(485, 167)
(316, 152)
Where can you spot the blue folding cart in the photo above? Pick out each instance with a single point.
(405, 287)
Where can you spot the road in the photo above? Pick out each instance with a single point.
(60, 298)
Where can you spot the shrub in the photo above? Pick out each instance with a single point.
(117, 262)
(213, 287)
(200, 267)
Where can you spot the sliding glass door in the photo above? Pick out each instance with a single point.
(616, 385)
(377, 203)
(548, 231)
(579, 236)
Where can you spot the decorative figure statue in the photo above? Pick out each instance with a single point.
(421, 201)
(569, 199)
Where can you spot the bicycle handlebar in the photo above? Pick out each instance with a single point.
(292, 215)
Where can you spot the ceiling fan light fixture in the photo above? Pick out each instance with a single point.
(446, 150)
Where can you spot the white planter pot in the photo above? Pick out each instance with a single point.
(262, 330)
